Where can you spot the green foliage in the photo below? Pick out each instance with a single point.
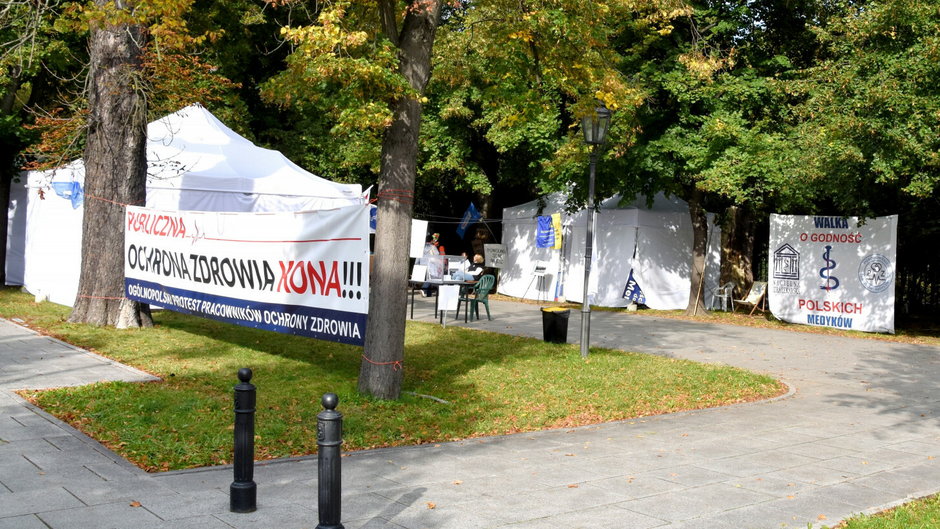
(872, 108)
(721, 115)
(498, 384)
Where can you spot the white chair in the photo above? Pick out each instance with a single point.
(723, 295)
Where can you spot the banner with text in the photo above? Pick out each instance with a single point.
(303, 273)
(833, 271)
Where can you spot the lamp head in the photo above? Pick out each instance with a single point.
(595, 125)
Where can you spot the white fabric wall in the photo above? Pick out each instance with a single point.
(663, 240)
(614, 238)
(53, 243)
(519, 229)
(16, 231)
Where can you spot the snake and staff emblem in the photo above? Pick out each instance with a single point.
(832, 282)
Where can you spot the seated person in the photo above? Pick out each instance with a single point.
(473, 272)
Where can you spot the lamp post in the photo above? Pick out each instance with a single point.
(595, 127)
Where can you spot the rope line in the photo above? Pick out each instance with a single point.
(396, 365)
(404, 196)
(112, 201)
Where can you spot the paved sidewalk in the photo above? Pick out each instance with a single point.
(860, 431)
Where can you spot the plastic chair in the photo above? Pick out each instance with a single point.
(723, 294)
(479, 294)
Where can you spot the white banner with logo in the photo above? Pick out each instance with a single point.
(303, 273)
(833, 271)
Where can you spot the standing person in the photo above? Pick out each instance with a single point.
(433, 248)
(437, 244)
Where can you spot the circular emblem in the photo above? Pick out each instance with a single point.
(875, 273)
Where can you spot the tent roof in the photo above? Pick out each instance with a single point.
(191, 150)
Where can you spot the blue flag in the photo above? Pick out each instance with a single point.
(70, 191)
(470, 217)
(545, 233)
(633, 292)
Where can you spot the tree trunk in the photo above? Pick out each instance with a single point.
(699, 246)
(115, 174)
(737, 248)
(381, 371)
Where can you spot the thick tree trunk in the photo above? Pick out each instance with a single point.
(699, 246)
(381, 372)
(737, 248)
(115, 175)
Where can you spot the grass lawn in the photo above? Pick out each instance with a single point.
(920, 514)
(493, 383)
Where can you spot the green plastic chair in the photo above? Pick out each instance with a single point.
(480, 294)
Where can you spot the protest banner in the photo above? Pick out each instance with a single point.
(304, 273)
(833, 271)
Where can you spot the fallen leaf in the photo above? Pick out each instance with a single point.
(135, 504)
(569, 455)
(791, 497)
(457, 482)
(821, 517)
(573, 486)
(431, 505)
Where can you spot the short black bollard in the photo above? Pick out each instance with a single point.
(244, 492)
(329, 442)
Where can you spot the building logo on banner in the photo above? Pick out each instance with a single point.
(302, 273)
(786, 269)
(833, 271)
(875, 273)
(831, 282)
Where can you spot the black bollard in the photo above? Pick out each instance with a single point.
(329, 442)
(244, 492)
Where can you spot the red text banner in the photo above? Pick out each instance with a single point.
(302, 273)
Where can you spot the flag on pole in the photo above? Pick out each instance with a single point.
(470, 217)
(545, 233)
(633, 292)
(556, 226)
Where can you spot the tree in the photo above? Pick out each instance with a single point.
(341, 67)
(385, 331)
(867, 140)
(115, 170)
(717, 131)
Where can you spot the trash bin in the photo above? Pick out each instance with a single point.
(555, 324)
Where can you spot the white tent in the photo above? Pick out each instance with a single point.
(194, 163)
(655, 243)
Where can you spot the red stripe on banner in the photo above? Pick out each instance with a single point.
(286, 241)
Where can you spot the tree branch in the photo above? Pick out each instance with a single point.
(389, 21)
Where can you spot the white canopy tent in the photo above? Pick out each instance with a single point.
(194, 163)
(655, 243)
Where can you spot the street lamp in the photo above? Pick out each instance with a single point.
(595, 127)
